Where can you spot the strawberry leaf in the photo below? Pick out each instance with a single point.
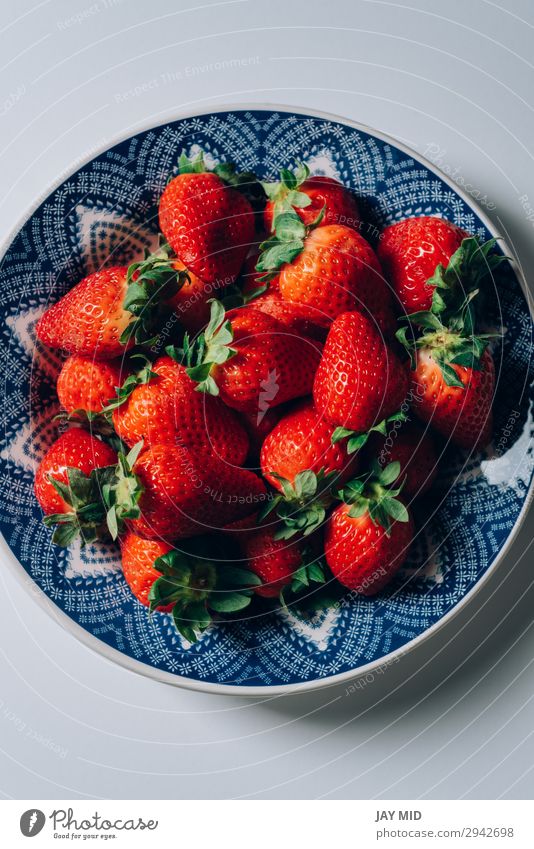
(395, 509)
(389, 473)
(196, 585)
(341, 433)
(358, 509)
(449, 375)
(191, 165)
(229, 603)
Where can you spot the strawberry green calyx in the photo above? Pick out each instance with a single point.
(245, 182)
(455, 344)
(356, 440)
(285, 194)
(150, 283)
(122, 492)
(311, 572)
(302, 506)
(464, 273)
(83, 493)
(209, 350)
(285, 244)
(139, 378)
(197, 588)
(191, 164)
(374, 494)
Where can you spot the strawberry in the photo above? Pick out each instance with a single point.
(90, 319)
(453, 376)
(367, 537)
(251, 360)
(430, 261)
(308, 196)
(330, 268)
(87, 385)
(138, 556)
(109, 310)
(459, 408)
(273, 560)
(170, 492)
(208, 223)
(360, 381)
(190, 583)
(414, 449)
(303, 440)
(68, 485)
(165, 408)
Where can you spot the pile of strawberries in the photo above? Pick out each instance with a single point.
(250, 416)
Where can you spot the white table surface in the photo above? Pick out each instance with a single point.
(454, 718)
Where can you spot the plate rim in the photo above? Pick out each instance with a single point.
(139, 667)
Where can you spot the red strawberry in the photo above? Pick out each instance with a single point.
(303, 440)
(453, 374)
(459, 406)
(252, 360)
(90, 319)
(308, 196)
(64, 485)
(367, 539)
(87, 384)
(167, 408)
(208, 223)
(180, 494)
(331, 269)
(138, 556)
(414, 449)
(359, 381)
(411, 251)
(273, 560)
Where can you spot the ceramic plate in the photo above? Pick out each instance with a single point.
(109, 207)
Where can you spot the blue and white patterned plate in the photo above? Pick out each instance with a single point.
(103, 209)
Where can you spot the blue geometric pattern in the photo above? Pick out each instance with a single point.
(107, 212)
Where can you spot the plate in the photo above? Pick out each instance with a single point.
(108, 208)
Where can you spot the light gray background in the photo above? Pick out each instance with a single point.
(454, 718)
